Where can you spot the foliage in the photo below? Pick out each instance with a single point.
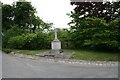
(23, 12)
(95, 33)
(12, 32)
(20, 19)
(23, 15)
(7, 14)
(107, 10)
(64, 36)
(95, 25)
(29, 41)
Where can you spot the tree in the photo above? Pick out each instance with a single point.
(23, 13)
(106, 10)
(95, 25)
(7, 16)
(19, 14)
(96, 33)
(20, 19)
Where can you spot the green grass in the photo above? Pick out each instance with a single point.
(93, 55)
(28, 52)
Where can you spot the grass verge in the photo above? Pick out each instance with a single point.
(28, 52)
(93, 55)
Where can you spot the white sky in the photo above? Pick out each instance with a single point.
(53, 11)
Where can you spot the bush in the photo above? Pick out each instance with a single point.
(14, 31)
(7, 50)
(29, 41)
(16, 42)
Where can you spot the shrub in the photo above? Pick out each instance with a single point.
(16, 42)
(14, 31)
(7, 50)
(29, 41)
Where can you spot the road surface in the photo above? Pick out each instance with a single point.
(15, 67)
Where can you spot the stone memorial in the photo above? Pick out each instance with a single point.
(56, 50)
(56, 44)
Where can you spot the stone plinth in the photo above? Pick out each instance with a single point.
(56, 45)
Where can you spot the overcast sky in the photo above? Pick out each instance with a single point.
(53, 11)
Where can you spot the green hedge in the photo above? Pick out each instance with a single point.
(29, 41)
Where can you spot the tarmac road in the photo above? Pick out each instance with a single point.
(15, 67)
